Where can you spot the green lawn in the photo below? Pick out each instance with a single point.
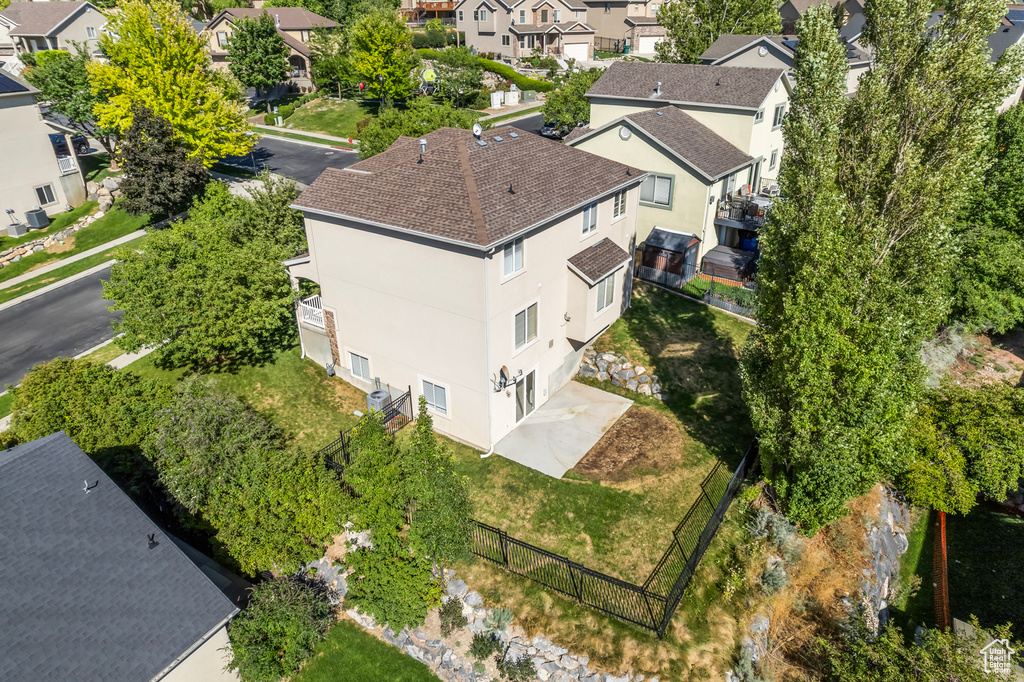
(349, 654)
(96, 167)
(332, 117)
(116, 223)
(986, 553)
(911, 611)
(5, 403)
(235, 171)
(515, 114)
(58, 223)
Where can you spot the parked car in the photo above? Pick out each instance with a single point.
(552, 130)
(80, 143)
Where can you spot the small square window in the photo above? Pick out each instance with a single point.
(605, 292)
(759, 116)
(360, 366)
(619, 204)
(436, 396)
(590, 218)
(526, 326)
(775, 158)
(513, 257)
(780, 113)
(45, 195)
(657, 190)
(90, 31)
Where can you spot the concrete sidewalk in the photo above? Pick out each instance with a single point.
(67, 261)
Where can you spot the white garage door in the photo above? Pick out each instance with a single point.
(577, 51)
(645, 44)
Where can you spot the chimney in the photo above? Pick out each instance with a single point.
(657, 90)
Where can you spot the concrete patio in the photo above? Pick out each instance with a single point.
(564, 429)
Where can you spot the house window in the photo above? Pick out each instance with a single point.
(506, 41)
(775, 158)
(657, 190)
(526, 326)
(436, 395)
(543, 16)
(222, 38)
(619, 204)
(531, 42)
(522, 16)
(360, 366)
(483, 15)
(461, 17)
(522, 43)
(590, 218)
(759, 116)
(607, 8)
(605, 292)
(90, 31)
(513, 256)
(577, 14)
(780, 112)
(45, 196)
(476, 15)
(556, 15)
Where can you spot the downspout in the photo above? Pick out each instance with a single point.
(487, 352)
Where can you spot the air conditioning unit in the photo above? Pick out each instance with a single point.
(377, 400)
(36, 218)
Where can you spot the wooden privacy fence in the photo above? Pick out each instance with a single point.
(939, 571)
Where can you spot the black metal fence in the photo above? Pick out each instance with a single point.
(617, 45)
(395, 414)
(651, 605)
(704, 283)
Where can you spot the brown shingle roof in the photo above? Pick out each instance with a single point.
(802, 6)
(576, 132)
(684, 135)
(464, 192)
(40, 18)
(599, 260)
(730, 86)
(292, 18)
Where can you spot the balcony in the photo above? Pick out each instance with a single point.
(312, 311)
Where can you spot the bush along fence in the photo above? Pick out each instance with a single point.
(395, 413)
(704, 283)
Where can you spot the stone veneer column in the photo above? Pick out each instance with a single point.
(332, 334)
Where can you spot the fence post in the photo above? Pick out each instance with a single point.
(503, 537)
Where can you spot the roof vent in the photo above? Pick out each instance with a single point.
(718, 82)
(514, 136)
(498, 139)
(481, 143)
(657, 88)
(277, 20)
(660, 113)
(152, 540)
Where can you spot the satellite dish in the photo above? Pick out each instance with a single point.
(477, 129)
(762, 51)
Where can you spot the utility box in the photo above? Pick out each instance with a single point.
(529, 95)
(37, 218)
(512, 98)
(377, 400)
(17, 230)
(496, 99)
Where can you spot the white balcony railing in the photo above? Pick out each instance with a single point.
(66, 164)
(312, 310)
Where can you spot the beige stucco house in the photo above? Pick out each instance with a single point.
(511, 31)
(626, 22)
(31, 174)
(792, 10)
(36, 26)
(711, 139)
(294, 24)
(458, 266)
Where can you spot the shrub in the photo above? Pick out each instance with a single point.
(276, 633)
(498, 619)
(519, 669)
(774, 579)
(484, 646)
(508, 73)
(286, 111)
(760, 523)
(270, 119)
(481, 100)
(451, 617)
(396, 589)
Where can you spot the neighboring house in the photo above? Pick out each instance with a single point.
(294, 24)
(525, 29)
(792, 10)
(92, 589)
(632, 23)
(999, 42)
(711, 139)
(35, 172)
(37, 26)
(460, 267)
(779, 52)
(418, 12)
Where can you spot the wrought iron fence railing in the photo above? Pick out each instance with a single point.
(394, 414)
(705, 283)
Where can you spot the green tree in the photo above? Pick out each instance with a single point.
(155, 58)
(212, 286)
(459, 75)
(257, 55)
(277, 631)
(568, 105)
(693, 25)
(329, 61)
(63, 83)
(382, 54)
(419, 118)
(855, 259)
(967, 440)
(161, 179)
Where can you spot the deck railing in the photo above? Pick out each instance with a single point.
(312, 311)
(66, 164)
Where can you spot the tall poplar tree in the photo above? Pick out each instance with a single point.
(855, 257)
(257, 55)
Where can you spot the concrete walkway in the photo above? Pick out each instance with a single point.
(270, 130)
(67, 261)
(564, 429)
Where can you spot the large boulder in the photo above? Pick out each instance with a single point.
(92, 187)
(112, 183)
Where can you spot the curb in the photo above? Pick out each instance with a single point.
(56, 285)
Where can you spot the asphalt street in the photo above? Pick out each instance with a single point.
(65, 321)
(300, 162)
(530, 124)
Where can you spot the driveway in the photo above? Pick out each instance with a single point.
(301, 162)
(66, 321)
(530, 124)
(564, 429)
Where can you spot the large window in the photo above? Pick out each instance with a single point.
(436, 395)
(222, 38)
(526, 326)
(461, 16)
(543, 16)
(90, 31)
(505, 41)
(513, 256)
(590, 218)
(619, 204)
(556, 16)
(522, 16)
(780, 113)
(605, 292)
(360, 366)
(657, 190)
(45, 195)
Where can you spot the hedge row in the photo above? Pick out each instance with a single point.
(502, 70)
(289, 109)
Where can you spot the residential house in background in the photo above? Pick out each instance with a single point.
(294, 24)
(711, 139)
(779, 52)
(37, 26)
(456, 265)
(792, 10)
(626, 23)
(36, 172)
(518, 30)
(418, 12)
(92, 589)
(1009, 33)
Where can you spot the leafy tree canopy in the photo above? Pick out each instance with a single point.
(419, 118)
(257, 55)
(161, 178)
(568, 105)
(693, 25)
(212, 286)
(329, 60)
(382, 54)
(156, 59)
(459, 75)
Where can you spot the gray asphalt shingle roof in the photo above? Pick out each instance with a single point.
(83, 595)
(730, 86)
(464, 192)
(39, 18)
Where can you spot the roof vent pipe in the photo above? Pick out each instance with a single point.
(657, 90)
(277, 20)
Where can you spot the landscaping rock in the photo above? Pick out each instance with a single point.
(608, 357)
(644, 379)
(588, 372)
(474, 599)
(616, 381)
(457, 588)
(112, 183)
(626, 374)
(602, 365)
(92, 187)
(632, 384)
(645, 389)
(105, 204)
(602, 376)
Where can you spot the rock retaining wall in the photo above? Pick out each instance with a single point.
(16, 253)
(621, 372)
(887, 542)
